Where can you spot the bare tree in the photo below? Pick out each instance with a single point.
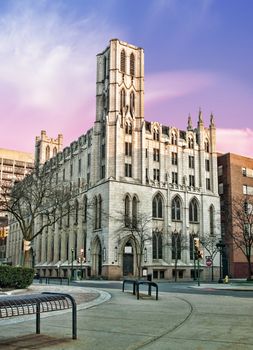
(177, 243)
(37, 197)
(240, 216)
(138, 230)
(209, 243)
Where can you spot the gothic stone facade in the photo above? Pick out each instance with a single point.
(123, 168)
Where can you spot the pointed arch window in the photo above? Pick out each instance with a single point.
(156, 135)
(157, 207)
(85, 208)
(134, 212)
(122, 100)
(211, 219)
(127, 211)
(176, 246)
(132, 64)
(173, 139)
(54, 151)
(99, 214)
(190, 143)
(95, 212)
(128, 128)
(123, 61)
(132, 103)
(193, 211)
(176, 209)
(47, 152)
(207, 146)
(76, 211)
(157, 245)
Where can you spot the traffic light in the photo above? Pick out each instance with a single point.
(196, 243)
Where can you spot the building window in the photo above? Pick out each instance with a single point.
(54, 151)
(47, 152)
(123, 61)
(132, 64)
(176, 209)
(176, 246)
(105, 67)
(174, 178)
(174, 158)
(192, 180)
(88, 178)
(122, 100)
(156, 154)
(127, 211)
(63, 175)
(103, 151)
(128, 170)
(147, 177)
(88, 160)
(134, 212)
(156, 135)
(128, 149)
(208, 184)
(220, 170)
(85, 208)
(102, 172)
(79, 166)
(211, 219)
(207, 164)
(190, 143)
(99, 213)
(71, 170)
(156, 174)
(146, 153)
(76, 211)
(128, 128)
(157, 205)
(95, 212)
(173, 139)
(157, 245)
(191, 162)
(207, 146)
(193, 211)
(221, 189)
(132, 103)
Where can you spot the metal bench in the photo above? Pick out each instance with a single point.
(56, 278)
(136, 286)
(149, 284)
(133, 282)
(11, 306)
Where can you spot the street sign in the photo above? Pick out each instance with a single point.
(209, 262)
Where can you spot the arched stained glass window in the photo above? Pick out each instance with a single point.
(157, 207)
(176, 209)
(193, 211)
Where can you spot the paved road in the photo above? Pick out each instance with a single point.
(181, 287)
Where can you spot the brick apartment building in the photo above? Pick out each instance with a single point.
(235, 177)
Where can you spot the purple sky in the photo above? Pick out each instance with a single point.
(198, 53)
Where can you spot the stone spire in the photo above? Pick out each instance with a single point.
(189, 127)
(212, 120)
(200, 116)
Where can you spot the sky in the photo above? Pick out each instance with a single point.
(198, 55)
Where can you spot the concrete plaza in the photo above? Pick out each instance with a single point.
(115, 320)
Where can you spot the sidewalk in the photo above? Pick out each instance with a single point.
(185, 322)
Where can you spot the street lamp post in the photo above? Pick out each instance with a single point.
(81, 258)
(72, 263)
(220, 245)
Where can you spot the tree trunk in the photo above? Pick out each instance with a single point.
(249, 269)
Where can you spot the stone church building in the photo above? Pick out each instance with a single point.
(126, 172)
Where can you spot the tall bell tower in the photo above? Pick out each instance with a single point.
(119, 103)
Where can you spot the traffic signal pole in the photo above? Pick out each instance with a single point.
(198, 273)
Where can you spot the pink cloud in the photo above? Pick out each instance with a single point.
(239, 141)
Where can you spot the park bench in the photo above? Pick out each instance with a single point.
(56, 278)
(136, 286)
(20, 305)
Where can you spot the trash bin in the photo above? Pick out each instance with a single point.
(149, 277)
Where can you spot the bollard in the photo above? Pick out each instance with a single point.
(226, 279)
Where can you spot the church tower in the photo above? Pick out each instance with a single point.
(46, 147)
(119, 108)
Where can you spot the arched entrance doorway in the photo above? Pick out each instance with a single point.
(128, 260)
(97, 257)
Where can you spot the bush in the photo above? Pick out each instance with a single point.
(15, 277)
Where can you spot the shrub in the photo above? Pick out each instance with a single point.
(15, 277)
